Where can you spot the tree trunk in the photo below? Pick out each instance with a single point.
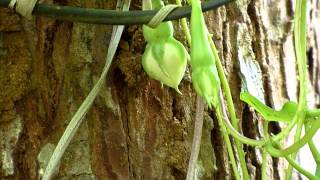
(136, 129)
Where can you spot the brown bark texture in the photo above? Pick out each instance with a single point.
(136, 129)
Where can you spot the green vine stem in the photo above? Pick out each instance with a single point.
(230, 106)
(300, 169)
(300, 50)
(241, 138)
(314, 151)
(294, 164)
(297, 145)
(221, 114)
(185, 26)
(264, 152)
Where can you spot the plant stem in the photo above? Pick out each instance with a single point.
(79, 116)
(294, 164)
(314, 151)
(297, 145)
(196, 142)
(232, 113)
(241, 138)
(264, 152)
(300, 50)
(222, 114)
(185, 27)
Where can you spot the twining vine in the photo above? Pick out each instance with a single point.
(210, 83)
(165, 60)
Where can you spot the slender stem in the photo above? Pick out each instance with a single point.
(307, 174)
(297, 145)
(196, 142)
(294, 164)
(234, 120)
(314, 151)
(185, 27)
(79, 116)
(222, 114)
(232, 129)
(317, 172)
(241, 138)
(300, 50)
(264, 152)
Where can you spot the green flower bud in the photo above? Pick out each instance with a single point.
(204, 73)
(165, 61)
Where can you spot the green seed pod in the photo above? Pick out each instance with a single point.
(165, 61)
(204, 73)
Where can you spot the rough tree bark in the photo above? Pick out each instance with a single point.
(136, 129)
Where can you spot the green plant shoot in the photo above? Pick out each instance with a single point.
(284, 115)
(204, 73)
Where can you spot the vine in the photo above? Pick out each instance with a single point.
(165, 60)
(208, 75)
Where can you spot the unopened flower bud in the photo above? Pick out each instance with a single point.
(165, 61)
(205, 78)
